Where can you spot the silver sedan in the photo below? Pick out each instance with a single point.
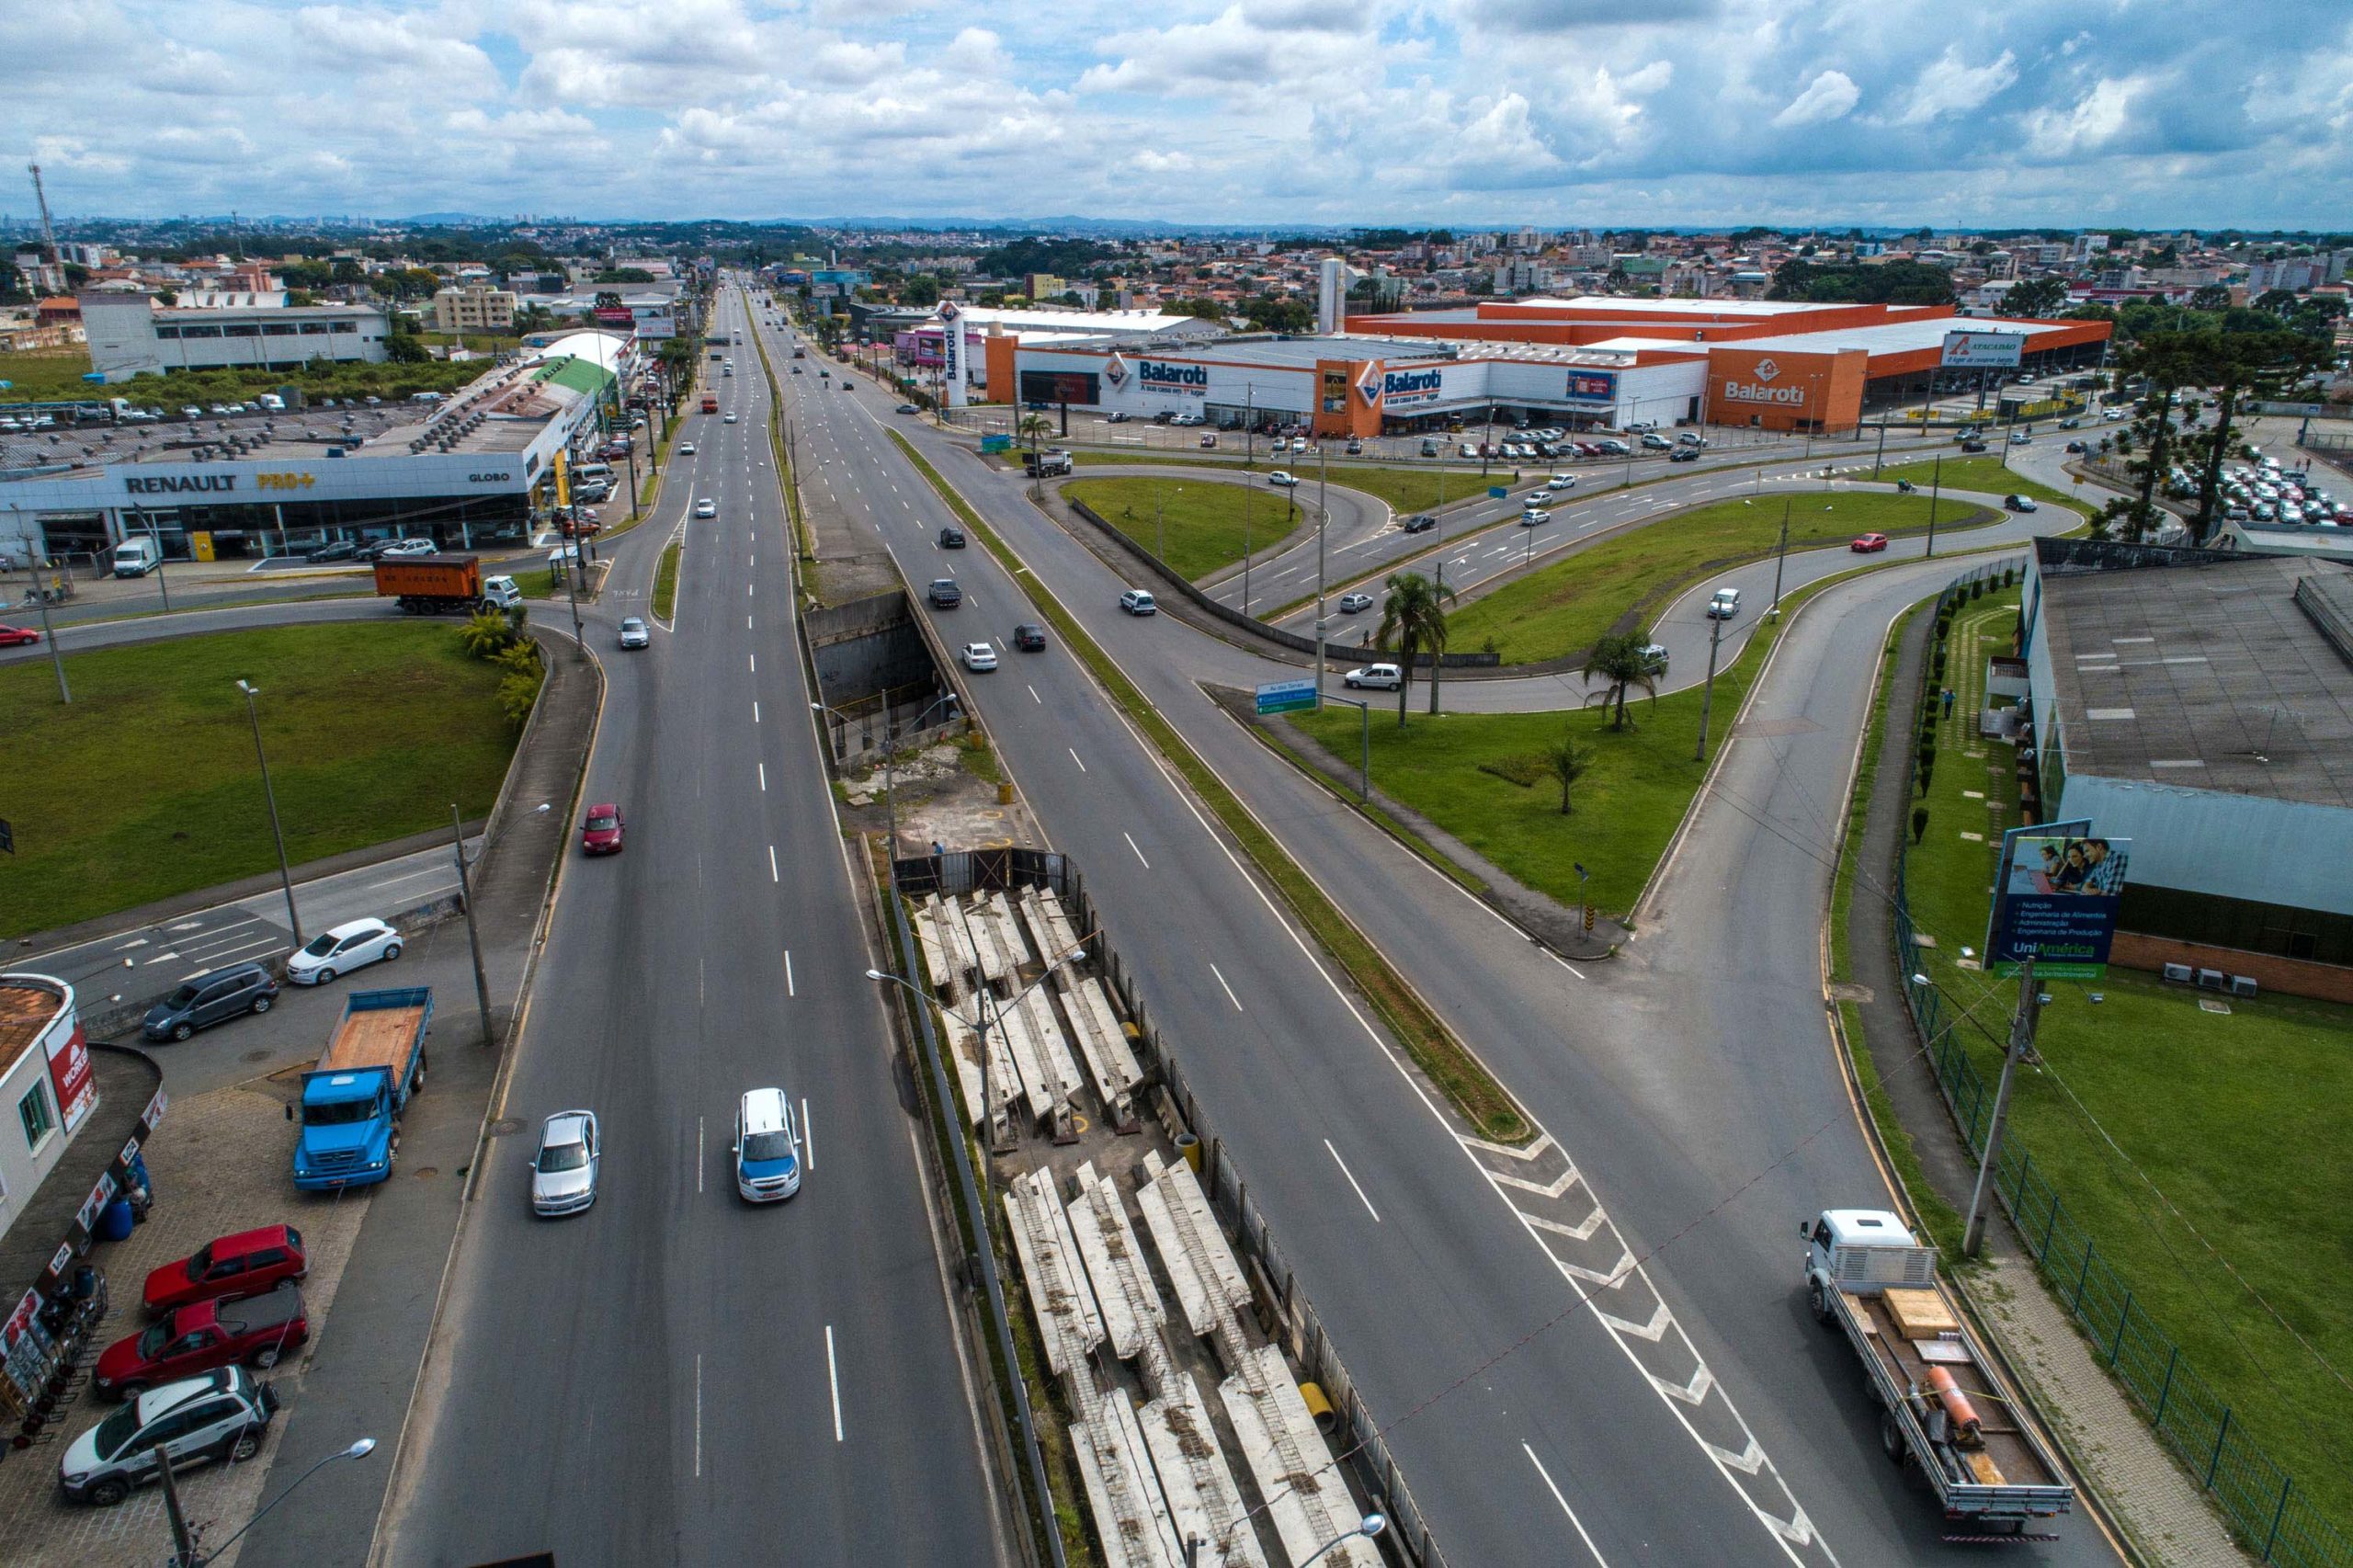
(563, 1173)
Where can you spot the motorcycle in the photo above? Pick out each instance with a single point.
(1903, 487)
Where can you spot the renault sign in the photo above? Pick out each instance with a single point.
(1983, 350)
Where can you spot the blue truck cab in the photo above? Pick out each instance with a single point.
(352, 1101)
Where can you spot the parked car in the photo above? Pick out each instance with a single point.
(1420, 522)
(245, 1264)
(563, 1173)
(951, 538)
(1281, 477)
(1380, 677)
(1115, 417)
(1725, 604)
(347, 947)
(256, 1330)
(401, 548)
(1208, 439)
(334, 549)
(221, 1415)
(1030, 637)
(601, 830)
(1299, 443)
(1656, 442)
(224, 993)
(634, 634)
(2020, 503)
(18, 636)
(706, 507)
(944, 594)
(906, 408)
(978, 656)
(1355, 604)
(1867, 544)
(766, 1147)
(1135, 601)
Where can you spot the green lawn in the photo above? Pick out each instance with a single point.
(2236, 1117)
(1984, 472)
(146, 785)
(50, 377)
(1405, 489)
(665, 581)
(1196, 529)
(1560, 610)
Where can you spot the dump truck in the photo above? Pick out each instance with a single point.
(443, 584)
(352, 1101)
(1943, 1405)
(710, 403)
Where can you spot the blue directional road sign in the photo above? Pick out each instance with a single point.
(1285, 696)
(1497, 491)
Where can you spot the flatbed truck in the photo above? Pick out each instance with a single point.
(351, 1102)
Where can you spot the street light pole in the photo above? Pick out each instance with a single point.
(1322, 516)
(474, 933)
(185, 1553)
(1708, 695)
(2021, 1048)
(269, 793)
(1936, 482)
(1364, 764)
(1781, 555)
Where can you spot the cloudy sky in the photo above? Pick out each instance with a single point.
(2124, 112)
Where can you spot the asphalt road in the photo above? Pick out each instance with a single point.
(1693, 1082)
(677, 1376)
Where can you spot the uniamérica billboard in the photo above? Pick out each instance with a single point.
(2055, 900)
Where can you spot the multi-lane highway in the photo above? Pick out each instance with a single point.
(677, 1376)
(1713, 1424)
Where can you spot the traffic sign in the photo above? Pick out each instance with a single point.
(1285, 695)
(1497, 491)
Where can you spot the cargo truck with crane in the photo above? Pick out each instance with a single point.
(1943, 1405)
(351, 1103)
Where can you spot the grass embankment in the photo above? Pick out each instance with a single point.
(1405, 489)
(1562, 609)
(666, 580)
(2236, 1117)
(56, 377)
(1194, 529)
(1984, 472)
(1465, 1081)
(145, 786)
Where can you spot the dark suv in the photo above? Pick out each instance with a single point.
(224, 993)
(951, 538)
(944, 593)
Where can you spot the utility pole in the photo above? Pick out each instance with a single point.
(1936, 482)
(269, 793)
(1323, 515)
(1880, 456)
(2022, 1025)
(1781, 556)
(570, 555)
(473, 932)
(1708, 695)
(1249, 493)
(162, 577)
(47, 632)
(183, 1542)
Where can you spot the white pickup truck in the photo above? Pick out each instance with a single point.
(1943, 1403)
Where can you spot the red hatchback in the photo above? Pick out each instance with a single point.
(18, 636)
(244, 1265)
(600, 831)
(1867, 543)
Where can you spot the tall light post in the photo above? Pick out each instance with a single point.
(1781, 555)
(1323, 517)
(474, 933)
(1708, 694)
(1367, 1528)
(989, 1010)
(185, 1553)
(269, 793)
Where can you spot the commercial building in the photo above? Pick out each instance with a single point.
(45, 1082)
(473, 307)
(469, 470)
(2195, 703)
(925, 345)
(130, 333)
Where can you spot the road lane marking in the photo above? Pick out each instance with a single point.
(1035, 698)
(698, 1412)
(755, 662)
(1352, 1180)
(699, 1153)
(756, 711)
(833, 1381)
(789, 991)
(1227, 989)
(808, 1135)
(1131, 844)
(772, 874)
(764, 778)
(1073, 756)
(1563, 1502)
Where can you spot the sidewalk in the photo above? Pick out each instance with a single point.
(2156, 1505)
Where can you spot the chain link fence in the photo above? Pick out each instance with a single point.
(2257, 1498)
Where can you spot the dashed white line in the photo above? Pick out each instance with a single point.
(1227, 989)
(755, 658)
(772, 873)
(1131, 843)
(756, 711)
(1352, 1180)
(1563, 1502)
(1073, 756)
(698, 1412)
(808, 1136)
(1035, 698)
(698, 1159)
(833, 1381)
(764, 778)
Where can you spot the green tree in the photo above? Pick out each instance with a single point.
(1413, 620)
(923, 289)
(2210, 297)
(1620, 661)
(2234, 365)
(2035, 297)
(1567, 762)
(2278, 302)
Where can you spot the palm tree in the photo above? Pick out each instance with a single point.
(1567, 762)
(1622, 661)
(1413, 620)
(1034, 426)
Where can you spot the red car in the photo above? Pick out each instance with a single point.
(202, 1336)
(1867, 543)
(600, 832)
(247, 1263)
(18, 636)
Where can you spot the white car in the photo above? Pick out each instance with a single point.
(1353, 604)
(405, 546)
(978, 656)
(1467, 451)
(686, 449)
(1135, 601)
(1534, 517)
(1562, 482)
(706, 507)
(1725, 604)
(1283, 479)
(1382, 677)
(347, 947)
(1299, 443)
(766, 1148)
(729, 419)
(634, 634)
(563, 1173)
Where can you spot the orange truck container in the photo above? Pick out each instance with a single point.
(432, 585)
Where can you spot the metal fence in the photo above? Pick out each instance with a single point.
(2257, 1498)
(1356, 1433)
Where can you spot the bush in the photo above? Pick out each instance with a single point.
(1977, 588)
(515, 694)
(1919, 823)
(1937, 666)
(1927, 770)
(486, 634)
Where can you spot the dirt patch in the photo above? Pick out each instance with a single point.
(947, 794)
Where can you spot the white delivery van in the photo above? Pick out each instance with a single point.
(136, 557)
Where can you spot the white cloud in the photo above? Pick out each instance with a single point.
(1947, 86)
(2093, 122)
(1828, 97)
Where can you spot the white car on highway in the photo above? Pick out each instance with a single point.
(686, 449)
(706, 507)
(1355, 604)
(1382, 677)
(979, 657)
(1562, 482)
(343, 950)
(1284, 479)
(1534, 517)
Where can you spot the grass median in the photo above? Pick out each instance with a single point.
(1194, 529)
(2190, 1145)
(1983, 473)
(1482, 1101)
(1405, 489)
(146, 786)
(666, 580)
(1561, 609)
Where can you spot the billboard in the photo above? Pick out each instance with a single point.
(1983, 350)
(2056, 897)
(1592, 386)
